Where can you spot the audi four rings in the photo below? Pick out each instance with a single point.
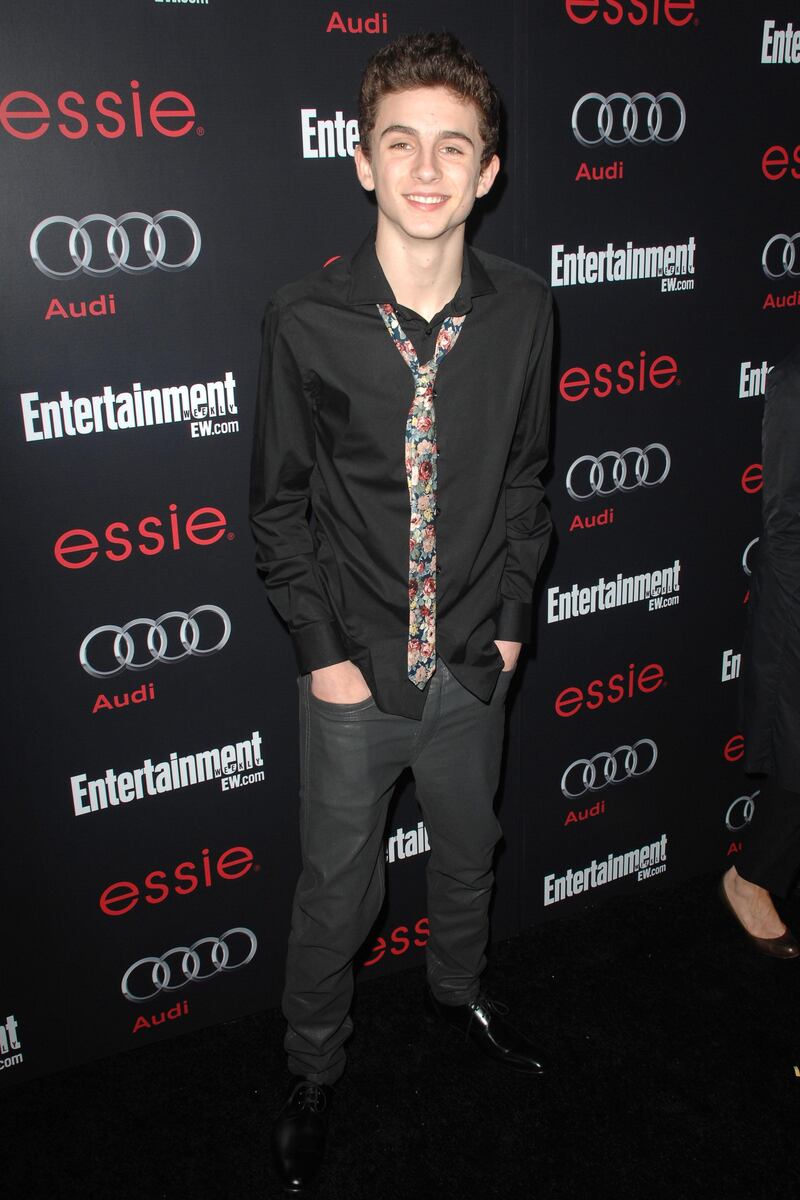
(642, 114)
(124, 650)
(781, 252)
(117, 243)
(740, 812)
(188, 968)
(597, 481)
(611, 764)
(748, 570)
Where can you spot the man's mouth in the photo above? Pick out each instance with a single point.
(426, 200)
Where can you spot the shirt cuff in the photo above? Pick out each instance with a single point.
(318, 645)
(513, 621)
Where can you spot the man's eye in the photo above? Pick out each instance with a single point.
(453, 150)
(399, 146)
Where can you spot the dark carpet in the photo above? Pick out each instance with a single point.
(675, 1072)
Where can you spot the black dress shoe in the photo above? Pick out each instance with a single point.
(298, 1135)
(482, 1023)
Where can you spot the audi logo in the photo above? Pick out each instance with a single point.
(611, 471)
(615, 766)
(780, 252)
(740, 812)
(117, 244)
(642, 113)
(123, 648)
(189, 966)
(746, 556)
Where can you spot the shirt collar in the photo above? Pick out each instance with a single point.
(369, 285)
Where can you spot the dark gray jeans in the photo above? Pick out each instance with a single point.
(351, 756)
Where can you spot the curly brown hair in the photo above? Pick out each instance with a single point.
(429, 60)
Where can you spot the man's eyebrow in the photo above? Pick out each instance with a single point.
(444, 133)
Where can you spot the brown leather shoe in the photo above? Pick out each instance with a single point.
(784, 946)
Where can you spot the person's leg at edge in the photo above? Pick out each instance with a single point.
(769, 863)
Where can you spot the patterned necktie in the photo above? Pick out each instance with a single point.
(421, 477)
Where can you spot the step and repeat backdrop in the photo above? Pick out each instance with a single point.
(169, 165)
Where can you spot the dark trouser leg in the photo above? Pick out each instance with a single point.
(457, 769)
(350, 757)
(771, 854)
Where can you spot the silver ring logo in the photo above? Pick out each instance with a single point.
(784, 256)
(615, 766)
(118, 244)
(640, 114)
(187, 965)
(740, 812)
(611, 471)
(746, 556)
(124, 650)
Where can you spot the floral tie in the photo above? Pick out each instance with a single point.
(421, 477)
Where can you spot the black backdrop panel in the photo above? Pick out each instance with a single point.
(164, 174)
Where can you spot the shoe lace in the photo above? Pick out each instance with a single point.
(495, 1006)
(311, 1096)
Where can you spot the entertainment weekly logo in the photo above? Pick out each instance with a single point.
(753, 379)
(10, 1044)
(638, 13)
(671, 263)
(407, 843)
(235, 765)
(780, 47)
(731, 665)
(204, 407)
(644, 862)
(334, 137)
(659, 587)
(28, 116)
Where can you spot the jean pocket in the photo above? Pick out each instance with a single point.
(347, 711)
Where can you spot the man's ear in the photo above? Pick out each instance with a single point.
(364, 170)
(487, 176)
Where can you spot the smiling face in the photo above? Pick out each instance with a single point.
(424, 163)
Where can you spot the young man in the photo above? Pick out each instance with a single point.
(404, 397)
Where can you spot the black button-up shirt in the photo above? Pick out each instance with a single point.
(334, 397)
